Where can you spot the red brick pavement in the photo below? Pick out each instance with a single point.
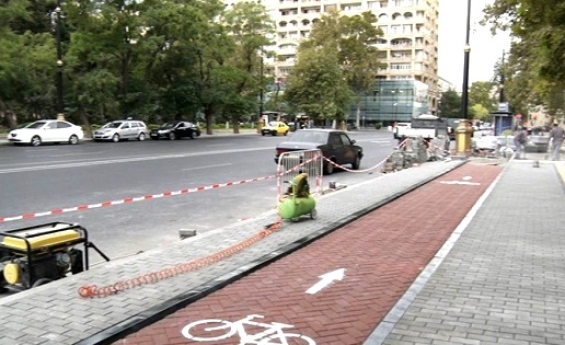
(382, 253)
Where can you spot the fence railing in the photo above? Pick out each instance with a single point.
(292, 163)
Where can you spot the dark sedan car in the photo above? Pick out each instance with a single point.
(176, 130)
(334, 144)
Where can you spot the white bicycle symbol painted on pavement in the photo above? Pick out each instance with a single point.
(273, 332)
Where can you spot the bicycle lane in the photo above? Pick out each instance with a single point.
(380, 255)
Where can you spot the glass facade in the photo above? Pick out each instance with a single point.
(392, 101)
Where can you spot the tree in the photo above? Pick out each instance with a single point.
(155, 60)
(354, 38)
(317, 86)
(450, 105)
(26, 64)
(250, 25)
(481, 99)
(480, 112)
(541, 21)
(537, 52)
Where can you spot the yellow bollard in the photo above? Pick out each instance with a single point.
(463, 138)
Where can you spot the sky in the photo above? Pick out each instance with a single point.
(486, 49)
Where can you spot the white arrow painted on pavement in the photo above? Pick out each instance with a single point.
(326, 280)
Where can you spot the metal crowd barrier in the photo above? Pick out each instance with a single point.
(292, 163)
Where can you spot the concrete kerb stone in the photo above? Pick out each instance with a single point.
(217, 133)
(129, 306)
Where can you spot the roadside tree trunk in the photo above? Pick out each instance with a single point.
(9, 117)
(86, 122)
(209, 119)
(358, 113)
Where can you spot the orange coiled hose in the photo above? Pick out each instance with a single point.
(92, 290)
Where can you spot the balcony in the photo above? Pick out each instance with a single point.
(405, 58)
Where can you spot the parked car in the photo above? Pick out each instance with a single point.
(47, 131)
(121, 130)
(176, 130)
(274, 128)
(335, 145)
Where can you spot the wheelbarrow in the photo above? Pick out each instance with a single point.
(297, 201)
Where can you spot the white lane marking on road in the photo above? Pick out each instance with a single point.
(326, 280)
(467, 178)
(77, 154)
(207, 167)
(40, 150)
(80, 164)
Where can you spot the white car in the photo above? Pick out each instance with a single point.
(47, 131)
(122, 130)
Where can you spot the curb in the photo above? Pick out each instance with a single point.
(144, 319)
(217, 134)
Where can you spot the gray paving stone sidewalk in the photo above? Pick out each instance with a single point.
(502, 282)
(56, 314)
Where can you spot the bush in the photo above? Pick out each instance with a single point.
(95, 127)
(152, 126)
(378, 125)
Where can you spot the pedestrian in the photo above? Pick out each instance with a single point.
(556, 140)
(520, 140)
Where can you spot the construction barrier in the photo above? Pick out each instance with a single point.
(293, 163)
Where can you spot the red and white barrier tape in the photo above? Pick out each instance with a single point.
(130, 200)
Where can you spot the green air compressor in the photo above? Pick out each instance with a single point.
(297, 201)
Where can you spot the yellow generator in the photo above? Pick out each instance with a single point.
(37, 255)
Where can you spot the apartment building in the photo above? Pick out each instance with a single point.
(409, 45)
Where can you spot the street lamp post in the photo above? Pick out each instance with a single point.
(260, 117)
(278, 85)
(463, 137)
(60, 106)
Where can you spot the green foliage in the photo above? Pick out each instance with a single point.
(481, 93)
(345, 47)
(450, 105)
(155, 60)
(480, 112)
(378, 125)
(317, 86)
(535, 71)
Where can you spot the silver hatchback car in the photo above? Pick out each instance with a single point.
(122, 130)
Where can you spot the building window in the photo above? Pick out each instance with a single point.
(400, 66)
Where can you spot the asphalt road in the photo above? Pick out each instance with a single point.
(38, 179)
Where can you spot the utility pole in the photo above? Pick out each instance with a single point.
(60, 106)
(502, 78)
(260, 117)
(463, 132)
